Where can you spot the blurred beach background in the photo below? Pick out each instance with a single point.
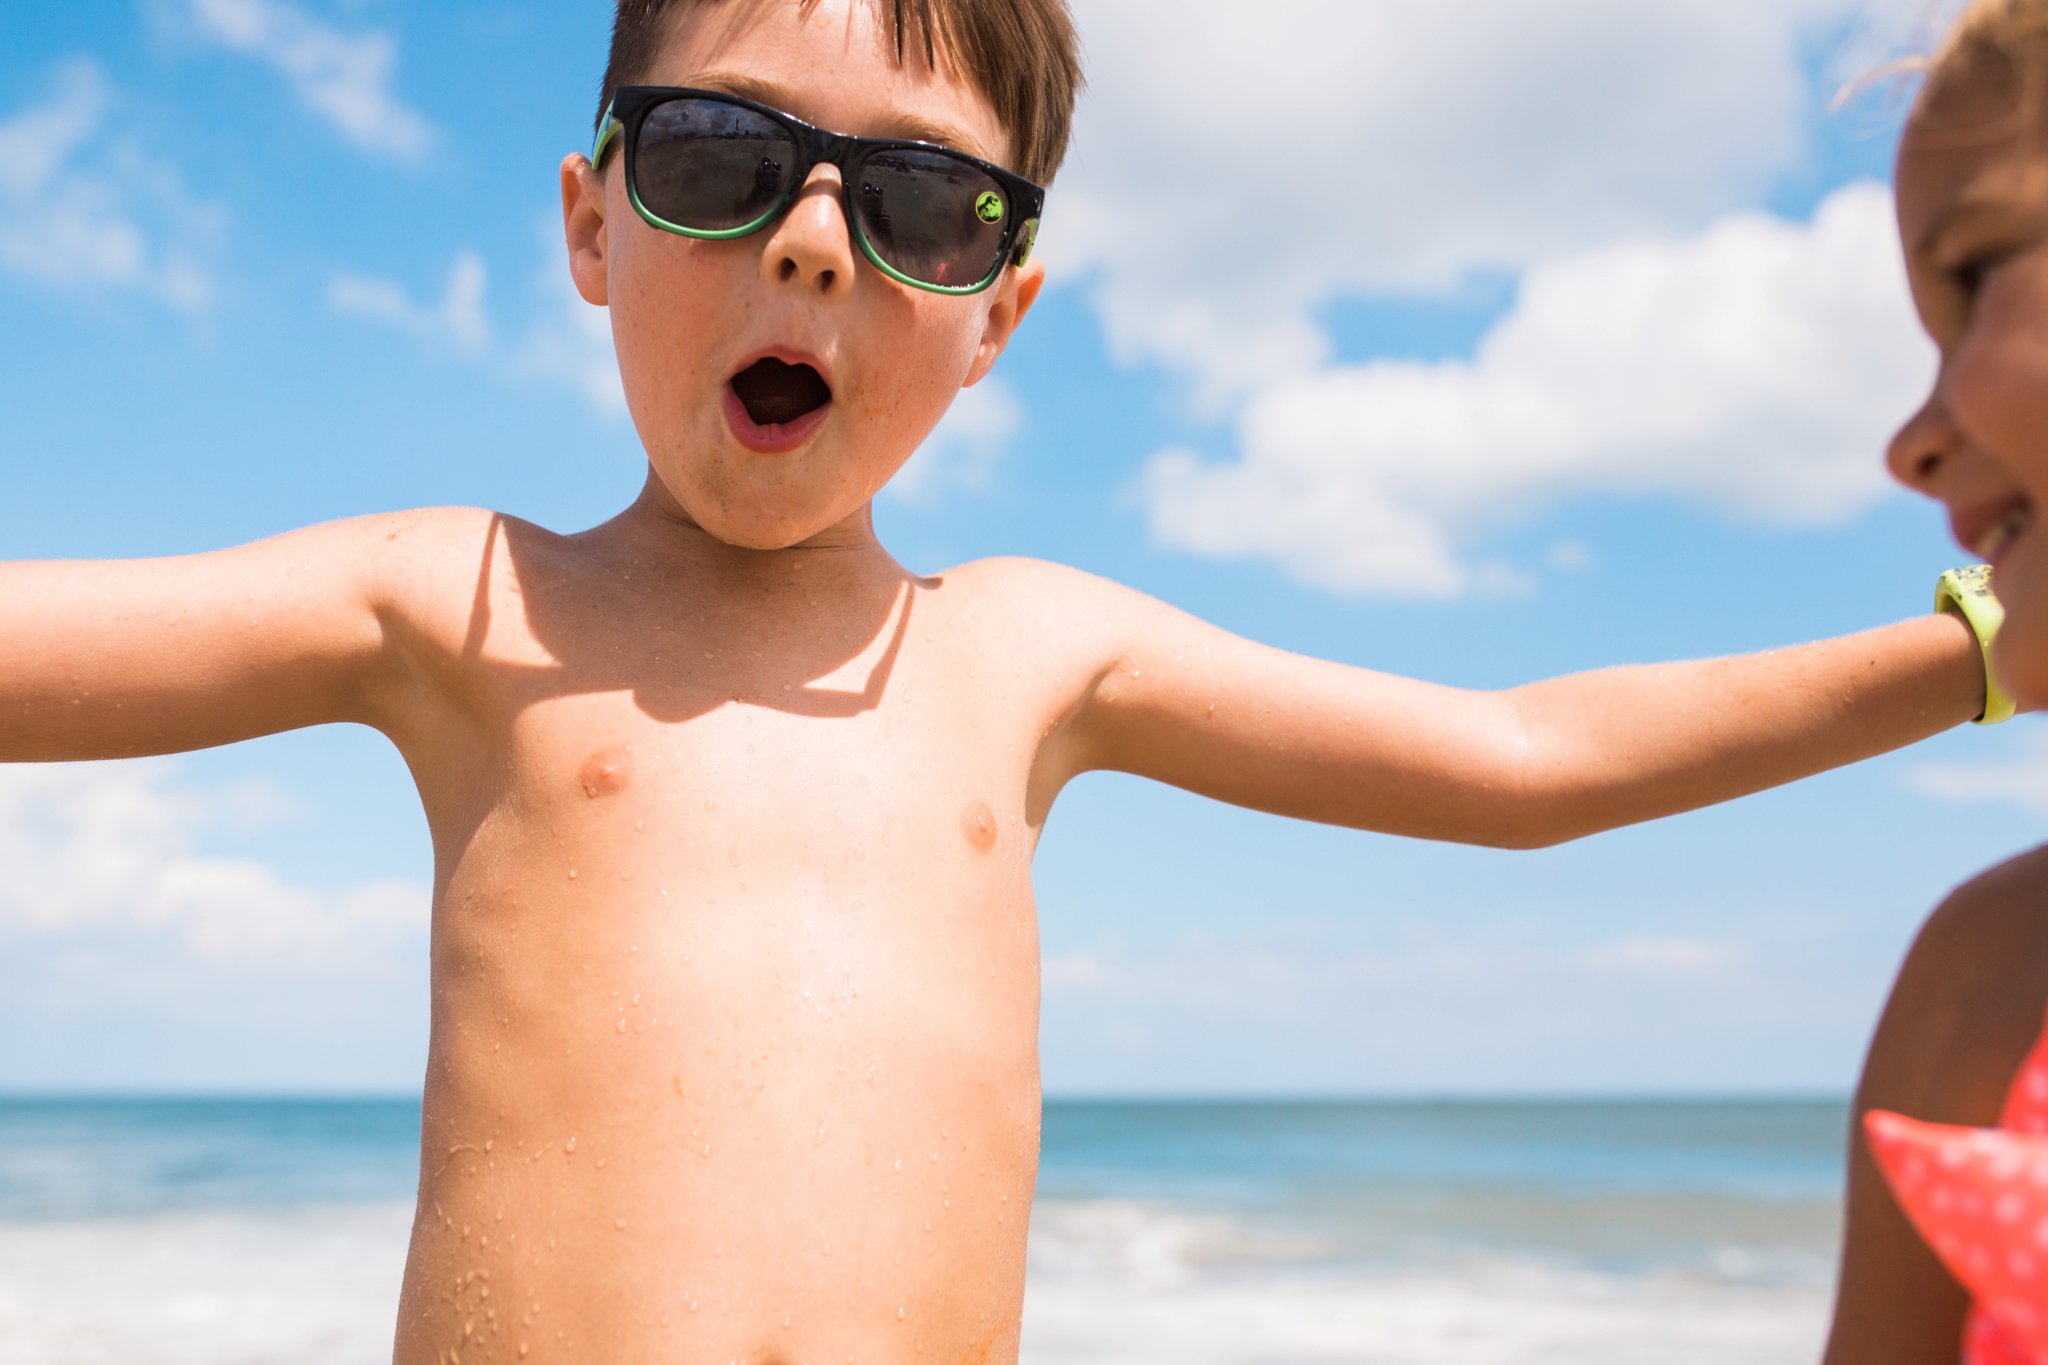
(1477, 340)
(1466, 1233)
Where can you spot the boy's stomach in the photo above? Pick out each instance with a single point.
(757, 1131)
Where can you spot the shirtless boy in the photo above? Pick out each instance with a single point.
(735, 972)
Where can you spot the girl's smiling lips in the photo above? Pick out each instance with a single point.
(1986, 529)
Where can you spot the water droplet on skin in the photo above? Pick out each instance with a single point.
(636, 998)
(619, 1223)
(899, 1315)
(707, 1149)
(827, 1251)
(708, 654)
(732, 855)
(785, 687)
(640, 825)
(601, 1160)
(622, 1026)
(629, 874)
(568, 1146)
(710, 805)
(522, 1349)
(572, 874)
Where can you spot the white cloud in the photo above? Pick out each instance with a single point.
(1234, 170)
(571, 344)
(963, 450)
(110, 848)
(342, 77)
(2019, 779)
(574, 344)
(82, 205)
(1659, 957)
(1756, 367)
(1284, 972)
(457, 319)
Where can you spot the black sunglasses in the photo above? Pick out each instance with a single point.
(711, 165)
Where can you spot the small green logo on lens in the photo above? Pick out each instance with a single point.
(989, 208)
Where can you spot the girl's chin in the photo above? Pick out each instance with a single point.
(2020, 657)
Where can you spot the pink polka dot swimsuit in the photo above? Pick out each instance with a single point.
(1980, 1198)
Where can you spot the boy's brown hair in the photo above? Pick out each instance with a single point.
(1022, 55)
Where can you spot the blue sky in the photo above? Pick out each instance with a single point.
(1479, 346)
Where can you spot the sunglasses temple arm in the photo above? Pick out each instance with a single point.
(608, 127)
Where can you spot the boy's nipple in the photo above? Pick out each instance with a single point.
(978, 823)
(607, 771)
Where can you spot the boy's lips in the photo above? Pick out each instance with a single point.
(776, 402)
(1987, 529)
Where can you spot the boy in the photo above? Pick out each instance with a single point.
(735, 964)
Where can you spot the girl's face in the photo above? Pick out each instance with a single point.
(1973, 218)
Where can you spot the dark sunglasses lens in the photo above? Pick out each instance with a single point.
(933, 216)
(711, 166)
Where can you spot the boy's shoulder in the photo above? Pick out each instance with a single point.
(1015, 585)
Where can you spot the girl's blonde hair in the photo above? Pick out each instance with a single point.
(2002, 44)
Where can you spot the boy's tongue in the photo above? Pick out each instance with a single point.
(774, 393)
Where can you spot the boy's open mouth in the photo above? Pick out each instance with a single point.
(776, 394)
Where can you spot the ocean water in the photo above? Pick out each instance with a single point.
(246, 1232)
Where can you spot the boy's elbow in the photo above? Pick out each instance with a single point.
(1527, 837)
(1529, 812)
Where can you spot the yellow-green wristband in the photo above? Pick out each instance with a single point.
(1968, 591)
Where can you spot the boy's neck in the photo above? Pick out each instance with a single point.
(664, 525)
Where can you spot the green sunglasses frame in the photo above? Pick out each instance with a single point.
(630, 106)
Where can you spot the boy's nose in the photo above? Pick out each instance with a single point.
(811, 249)
(1927, 442)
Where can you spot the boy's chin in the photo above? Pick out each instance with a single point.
(761, 527)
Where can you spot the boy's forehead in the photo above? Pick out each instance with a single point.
(832, 63)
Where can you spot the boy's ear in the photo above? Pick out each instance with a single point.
(583, 226)
(1014, 297)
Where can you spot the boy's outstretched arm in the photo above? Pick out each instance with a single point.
(112, 658)
(1189, 704)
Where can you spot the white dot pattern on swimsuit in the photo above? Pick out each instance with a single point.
(1979, 1196)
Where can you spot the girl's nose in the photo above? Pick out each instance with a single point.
(1924, 445)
